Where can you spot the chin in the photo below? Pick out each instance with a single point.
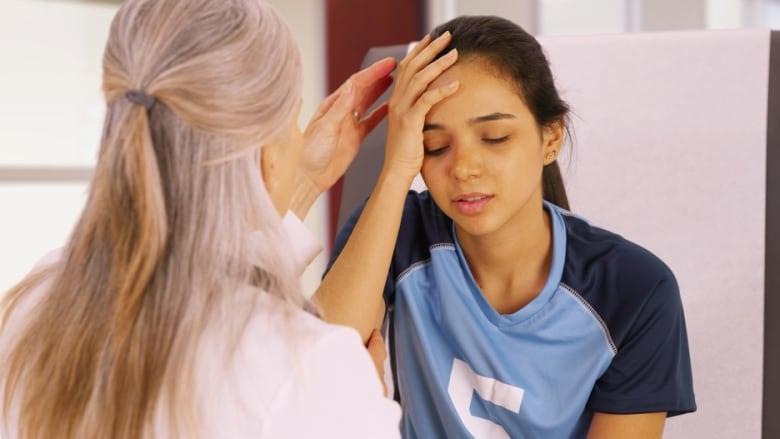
(473, 226)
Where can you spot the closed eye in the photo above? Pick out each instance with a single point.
(436, 151)
(496, 140)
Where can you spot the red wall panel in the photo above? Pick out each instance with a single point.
(353, 27)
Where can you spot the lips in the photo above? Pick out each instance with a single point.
(471, 204)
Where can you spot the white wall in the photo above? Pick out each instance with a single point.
(51, 112)
(522, 12)
(51, 53)
(578, 17)
(50, 115)
(567, 17)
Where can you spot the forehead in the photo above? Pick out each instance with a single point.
(482, 90)
(472, 67)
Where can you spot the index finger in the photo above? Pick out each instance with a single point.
(366, 85)
(368, 96)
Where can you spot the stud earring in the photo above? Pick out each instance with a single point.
(550, 155)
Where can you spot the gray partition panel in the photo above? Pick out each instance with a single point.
(771, 399)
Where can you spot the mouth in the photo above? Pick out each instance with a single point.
(471, 204)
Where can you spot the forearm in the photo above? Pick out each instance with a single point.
(351, 292)
(638, 426)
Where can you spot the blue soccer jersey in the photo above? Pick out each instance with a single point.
(605, 334)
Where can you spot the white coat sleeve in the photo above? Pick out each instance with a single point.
(337, 394)
(305, 246)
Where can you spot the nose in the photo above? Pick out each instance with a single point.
(467, 163)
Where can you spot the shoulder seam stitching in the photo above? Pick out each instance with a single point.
(439, 246)
(404, 274)
(598, 318)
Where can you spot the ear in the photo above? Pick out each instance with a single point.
(269, 154)
(552, 139)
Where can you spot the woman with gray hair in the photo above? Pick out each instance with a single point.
(174, 309)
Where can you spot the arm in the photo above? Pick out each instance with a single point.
(351, 292)
(636, 426)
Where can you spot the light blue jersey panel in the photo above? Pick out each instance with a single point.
(524, 375)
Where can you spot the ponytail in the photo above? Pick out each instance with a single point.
(137, 224)
(553, 188)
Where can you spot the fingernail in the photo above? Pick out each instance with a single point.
(453, 85)
(383, 60)
(452, 53)
(348, 88)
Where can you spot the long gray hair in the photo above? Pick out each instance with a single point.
(164, 238)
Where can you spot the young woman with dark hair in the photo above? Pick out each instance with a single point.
(508, 316)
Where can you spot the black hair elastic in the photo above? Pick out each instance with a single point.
(140, 98)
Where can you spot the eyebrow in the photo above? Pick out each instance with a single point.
(473, 121)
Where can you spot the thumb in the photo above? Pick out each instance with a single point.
(376, 345)
(378, 353)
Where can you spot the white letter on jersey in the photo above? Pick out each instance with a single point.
(463, 382)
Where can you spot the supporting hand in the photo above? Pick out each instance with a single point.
(376, 348)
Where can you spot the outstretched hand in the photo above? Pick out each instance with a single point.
(334, 134)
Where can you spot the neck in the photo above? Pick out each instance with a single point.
(511, 265)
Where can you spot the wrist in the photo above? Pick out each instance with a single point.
(304, 196)
(396, 178)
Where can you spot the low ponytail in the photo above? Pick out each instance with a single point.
(553, 189)
(137, 224)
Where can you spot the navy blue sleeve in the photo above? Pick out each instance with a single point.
(651, 371)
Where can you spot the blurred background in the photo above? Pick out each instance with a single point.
(51, 108)
(51, 112)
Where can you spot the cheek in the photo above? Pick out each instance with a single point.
(432, 172)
